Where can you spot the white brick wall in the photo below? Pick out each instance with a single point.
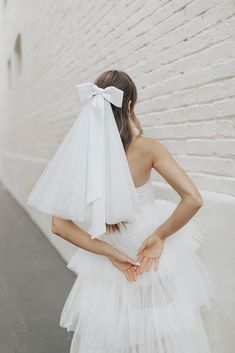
(180, 53)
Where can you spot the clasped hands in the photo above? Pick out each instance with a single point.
(148, 255)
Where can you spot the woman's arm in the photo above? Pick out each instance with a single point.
(151, 249)
(191, 199)
(77, 236)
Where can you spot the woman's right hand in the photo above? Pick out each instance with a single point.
(125, 264)
(149, 252)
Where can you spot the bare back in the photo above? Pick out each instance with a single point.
(140, 160)
(146, 153)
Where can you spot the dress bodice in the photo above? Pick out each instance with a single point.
(146, 193)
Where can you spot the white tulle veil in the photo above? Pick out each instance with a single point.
(88, 178)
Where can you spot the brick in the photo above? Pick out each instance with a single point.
(207, 129)
(199, 7)
(175, 146)
(218, 166)
(225, 128)
(183, 98)
(147, 119)
(230, 86)
(225, 148)
(202, 76)
(177, 115)
(200, 147)
(203, 181)
(200, 112)
(211, 93)
(208, 165)
(168, 132)
(180, 4)
(225, 108)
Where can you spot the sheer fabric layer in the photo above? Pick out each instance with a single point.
(160, 312)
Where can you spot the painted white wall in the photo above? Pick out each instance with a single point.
(181, 55)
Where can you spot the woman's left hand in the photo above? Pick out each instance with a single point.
(149, 253)
(124, 263)
(130, 271)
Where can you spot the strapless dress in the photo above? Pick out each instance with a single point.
(161, 312)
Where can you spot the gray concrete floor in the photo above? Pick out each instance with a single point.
(34, 284)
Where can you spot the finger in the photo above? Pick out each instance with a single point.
(137, 271)
(143, 264)
(134, 273)
(146, 264)
(149, 264)
(140, 259)
(156, 264)
(131, 275)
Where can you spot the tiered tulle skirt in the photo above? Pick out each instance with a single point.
(158, 313)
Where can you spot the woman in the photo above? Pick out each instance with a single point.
(140, 287)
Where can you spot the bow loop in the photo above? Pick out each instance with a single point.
(89, 90)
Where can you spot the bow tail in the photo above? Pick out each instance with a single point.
(96, 170)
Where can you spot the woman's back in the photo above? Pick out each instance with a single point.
(140, 160)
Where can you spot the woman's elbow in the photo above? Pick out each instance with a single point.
(56, 225)
(194, 201)
(197, 201)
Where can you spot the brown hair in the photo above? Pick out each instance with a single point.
(122, 115)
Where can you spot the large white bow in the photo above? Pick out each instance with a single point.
(88, 179)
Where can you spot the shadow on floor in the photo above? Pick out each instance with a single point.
(34, 284)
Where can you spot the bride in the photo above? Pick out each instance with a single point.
(140, 286)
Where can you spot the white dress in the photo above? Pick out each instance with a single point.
(158, 313)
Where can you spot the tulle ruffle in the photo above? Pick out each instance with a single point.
(159, 313)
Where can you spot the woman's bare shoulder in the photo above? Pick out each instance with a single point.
(151, 146)
(153, 151)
